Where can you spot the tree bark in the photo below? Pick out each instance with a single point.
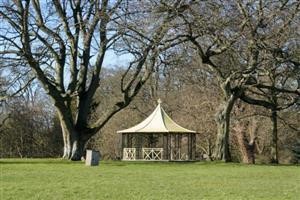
(273, 106)
(74, 144)
(221, 151)
(66, 136)
(74, 140)
(246, 147)
(78, 149)
(274, 141)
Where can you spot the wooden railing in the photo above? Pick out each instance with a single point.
(152, 153)
(129, 154)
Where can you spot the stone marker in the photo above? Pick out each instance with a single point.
(92, 158)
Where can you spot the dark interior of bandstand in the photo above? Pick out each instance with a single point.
(159, 146)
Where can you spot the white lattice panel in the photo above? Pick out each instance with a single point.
(129, 154)
(176, 154)
(152, 153)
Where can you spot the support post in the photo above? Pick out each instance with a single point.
(123, 138)
(171, 145)
(189, 146)
(165, 146)
(179, 143)
(193, 146)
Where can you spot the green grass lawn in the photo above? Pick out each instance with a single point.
(56, 179)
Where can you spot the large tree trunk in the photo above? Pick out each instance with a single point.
(74, 144)
(221, 151)
(274, 141)
(74, 140)
(66, 137)
(246, 147)
(78, 149)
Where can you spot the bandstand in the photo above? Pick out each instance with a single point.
(158, 138)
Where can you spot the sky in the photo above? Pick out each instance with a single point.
(112, 60)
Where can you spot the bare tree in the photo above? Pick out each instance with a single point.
(232, 39)
(64, 44)
(276, 92)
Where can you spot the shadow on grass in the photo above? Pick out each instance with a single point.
(59, 161)
(38, 161)
(140, 162)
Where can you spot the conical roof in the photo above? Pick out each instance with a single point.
(157, 122)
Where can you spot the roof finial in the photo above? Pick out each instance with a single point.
(159, 101)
